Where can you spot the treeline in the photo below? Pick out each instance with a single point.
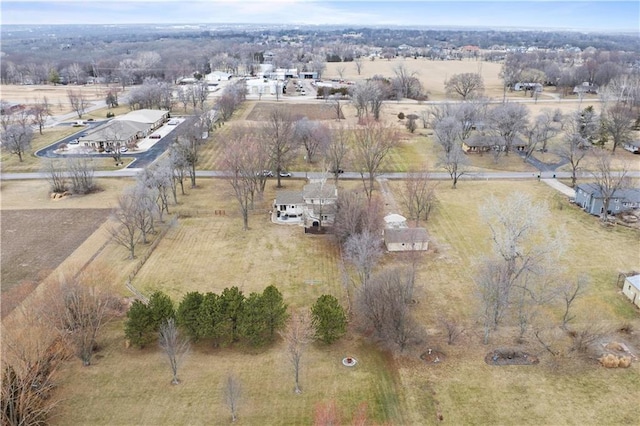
(222, 319)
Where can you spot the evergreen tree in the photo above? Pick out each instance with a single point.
(139, 325)
(209, 317)
(253, 325)
(188, 313)
(161, 308)
(275, 310)
(328, 319)
(231, 305)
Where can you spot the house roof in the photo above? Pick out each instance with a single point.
(634, 281)
(628, 194)
(148, 116)
(406, 235)
(119, 130)
(319, 190)
(480, 140)
(633, 143)
(289, 197)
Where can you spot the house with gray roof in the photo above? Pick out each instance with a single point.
(406, 239)
(124, 130)
(589, 197)
(314, 207)
(289, 207)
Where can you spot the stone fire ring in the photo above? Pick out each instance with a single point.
(349, 361)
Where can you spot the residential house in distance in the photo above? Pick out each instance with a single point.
(482, 143)
(631, 289)
(632, 146)
(589, 197)
(534, 87)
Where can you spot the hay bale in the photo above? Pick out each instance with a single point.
(609, 361)
(624, 362)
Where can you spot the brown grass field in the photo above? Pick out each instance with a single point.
(212, 253)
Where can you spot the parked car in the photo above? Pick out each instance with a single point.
(334, 171)
(74, 141)
(124, 149)
(108, 150)
(265, 173)
(155, 136)
(285, 174)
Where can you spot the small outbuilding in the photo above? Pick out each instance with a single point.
(395, 220)
(631, 289)
(406, 239)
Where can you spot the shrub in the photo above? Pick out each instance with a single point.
(401, 116)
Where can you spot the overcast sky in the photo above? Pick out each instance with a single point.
(583, 15)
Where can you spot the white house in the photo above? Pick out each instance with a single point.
(631, 289)
(406, 239)
(289, 207)
(632, 146)
(320, 203)
(263, 86)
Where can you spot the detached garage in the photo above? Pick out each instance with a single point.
(631, 289)
(406, 239)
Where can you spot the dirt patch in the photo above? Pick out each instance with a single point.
(318, 111)
(432, 356)
(34, 242)
(510, 357)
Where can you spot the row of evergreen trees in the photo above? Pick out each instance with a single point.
(229, 317)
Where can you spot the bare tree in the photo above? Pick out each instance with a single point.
(356, 214)
(132, 217)
(363, 251)
(189, 145)
(40, 112)
(467, 85)
(384, 306)
(608, 180)
(418, 196)
(313, 135)
(232, 392)
(522, 250)
(78, 101)
(297, 335)
(407, 82)
(507, 122)
(16, 139)
(57, 176)
(78, 309)
(544, 129)
(570, 293)
(336, 152)
(454, 162)
(245, 159)
(80, 172)
(574, 149)
(359, 63)
(452, 327)
(174, 346)
(618, 123)
(372, 143)
(279, 135)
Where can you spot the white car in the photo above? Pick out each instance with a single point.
(124, 149)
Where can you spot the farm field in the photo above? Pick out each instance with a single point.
(60, 231)
(214, 253)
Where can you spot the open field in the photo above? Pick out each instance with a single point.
(56, 95)
(59, 231)
(212, 253)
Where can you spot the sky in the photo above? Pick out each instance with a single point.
(602, 15)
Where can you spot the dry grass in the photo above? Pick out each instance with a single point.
(206, 252)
